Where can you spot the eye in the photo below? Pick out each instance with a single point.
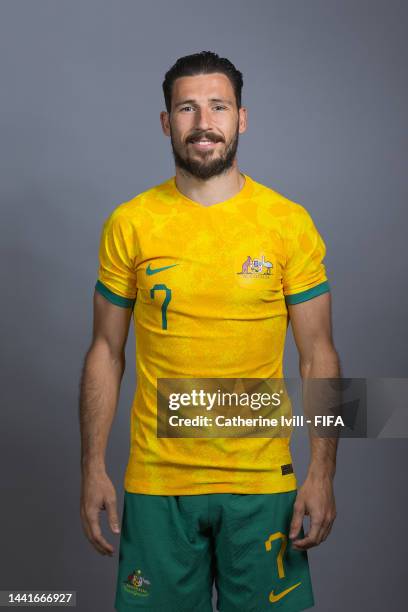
(185, 107)
(219, 106)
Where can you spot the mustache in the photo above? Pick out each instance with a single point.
(206, 135)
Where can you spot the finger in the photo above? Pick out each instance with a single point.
(311, 538)
(101, 549)
(297, 519)
(112, 513)
(320, 534)
(96, 535)
(327, 529)
(324, 533)
(88, 533)
(327, 524)
(304, 544)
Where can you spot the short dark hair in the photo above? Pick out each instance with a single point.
(205, 62)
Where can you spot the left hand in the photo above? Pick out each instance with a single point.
(316, 499)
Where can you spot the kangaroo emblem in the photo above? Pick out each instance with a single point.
(246, 265)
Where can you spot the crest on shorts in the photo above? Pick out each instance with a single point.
(136, 583)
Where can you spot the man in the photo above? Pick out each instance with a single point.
(210, 263)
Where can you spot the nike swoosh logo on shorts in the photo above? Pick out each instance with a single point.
(273, 597)
(150, 271)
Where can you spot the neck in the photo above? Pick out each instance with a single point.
(216, 189)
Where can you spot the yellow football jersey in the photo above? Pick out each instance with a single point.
(209, 288)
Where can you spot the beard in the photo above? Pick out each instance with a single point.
(206, 167)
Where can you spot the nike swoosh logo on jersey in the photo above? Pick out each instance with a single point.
(150, 271)
(278, 596)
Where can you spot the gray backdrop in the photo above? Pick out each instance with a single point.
(326, 89)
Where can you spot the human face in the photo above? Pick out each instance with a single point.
(204, 124)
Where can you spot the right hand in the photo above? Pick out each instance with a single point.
(98, 493)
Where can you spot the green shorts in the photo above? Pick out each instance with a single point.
(173, 547)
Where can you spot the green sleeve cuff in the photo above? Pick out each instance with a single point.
(116, 299)
(296, 298)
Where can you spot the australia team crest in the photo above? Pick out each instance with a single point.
(137, 584)
(256, 267)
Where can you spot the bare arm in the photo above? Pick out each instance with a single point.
(99, 392)
(312, 330)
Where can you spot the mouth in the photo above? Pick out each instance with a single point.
(203, 144)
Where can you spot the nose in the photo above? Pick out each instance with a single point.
(203, 120)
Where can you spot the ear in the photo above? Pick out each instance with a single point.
(165, 122)
(243, 119)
